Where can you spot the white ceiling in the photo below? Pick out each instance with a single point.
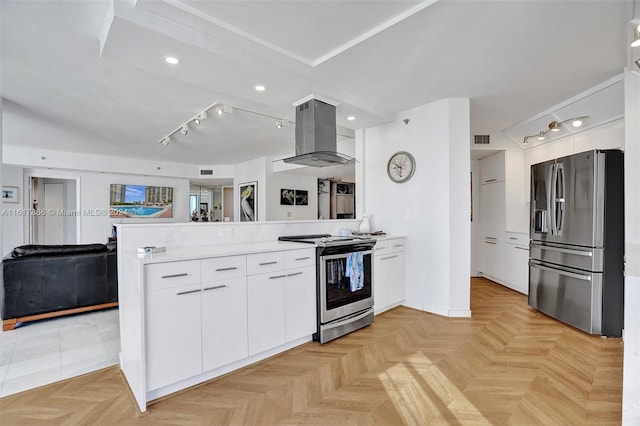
(91, 72)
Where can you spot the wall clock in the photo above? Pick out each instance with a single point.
(401, 166)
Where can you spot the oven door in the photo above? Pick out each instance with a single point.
(342, 292)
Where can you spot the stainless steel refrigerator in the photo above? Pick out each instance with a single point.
(576, 256)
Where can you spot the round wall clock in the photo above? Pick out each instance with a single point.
(401, 166)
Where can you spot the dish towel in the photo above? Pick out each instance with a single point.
(355, 271)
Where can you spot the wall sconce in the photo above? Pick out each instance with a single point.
(555, 126)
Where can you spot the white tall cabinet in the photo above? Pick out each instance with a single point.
(503, 240)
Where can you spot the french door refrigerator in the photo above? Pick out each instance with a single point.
(576, 256)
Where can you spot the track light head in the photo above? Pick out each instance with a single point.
(279, 124)
(165, 141)
(554, 126)
(185, 129)
(200, 117)
(541, 135)
(636, 32)
(525, 140)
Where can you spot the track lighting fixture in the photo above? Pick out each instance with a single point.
(554, 126)
(165, 141)
(636, 32)
(185, 129)
(200, 117)
(279, 124)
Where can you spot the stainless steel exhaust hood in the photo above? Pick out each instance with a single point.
(316, 136)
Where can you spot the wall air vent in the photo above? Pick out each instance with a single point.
(481, 139)
(206, 172)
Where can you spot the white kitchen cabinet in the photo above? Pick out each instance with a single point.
(300, 303)
(173, 330)
(492, 168)
(517, 264)
(492, 211)
(266, 311)
(224, 322)
(388, 274)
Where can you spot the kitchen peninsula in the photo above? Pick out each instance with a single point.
(232, 283)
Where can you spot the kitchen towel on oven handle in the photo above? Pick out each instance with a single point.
(355, 271)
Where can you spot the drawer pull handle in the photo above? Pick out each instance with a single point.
(380, 248)
(268, 263)
(184, 274)
(303, 258)
(277, 276)
(523, 248)
(490, 180)
(295, 273)
(215, 287)
(490, 242)
(231, 268)
(398, 245)
(188, 292)
(512, 238)
(389, 257)
(491, 238)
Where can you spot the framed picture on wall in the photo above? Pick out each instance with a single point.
(287, 197)
(302, 197)
(10, 194)
(248, 205)
(140, 201)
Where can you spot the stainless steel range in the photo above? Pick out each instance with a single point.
(344, 283)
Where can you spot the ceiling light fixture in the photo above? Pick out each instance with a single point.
(636, 32)
(185, 129)
(260, 88)
(165, 141)
(554, 126)
(171, 60)
(351, 118)
(200, 117)
(279, 124)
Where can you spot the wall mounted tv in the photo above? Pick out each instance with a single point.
(140, 201)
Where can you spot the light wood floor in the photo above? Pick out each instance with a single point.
(506, 365)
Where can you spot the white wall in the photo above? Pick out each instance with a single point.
(474, 264)
(432, 209)
(12, 222)
(631, 370)
(278, 181)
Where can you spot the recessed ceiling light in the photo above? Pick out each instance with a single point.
(171, 60)
(351, 118)
(260, 88)
(577, 122)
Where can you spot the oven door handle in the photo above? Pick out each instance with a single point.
(344, 255)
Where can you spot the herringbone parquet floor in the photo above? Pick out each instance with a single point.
(506, 365)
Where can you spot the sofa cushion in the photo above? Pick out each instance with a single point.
(57, 250)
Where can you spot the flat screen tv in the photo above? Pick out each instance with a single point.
(140, 201)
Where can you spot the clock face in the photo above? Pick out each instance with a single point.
(401, 166)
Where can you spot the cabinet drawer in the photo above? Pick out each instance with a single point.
(222, 268)
(260, 263)
(299, 258)
(396, 245)
(381, 247)
(517, 238)
(172, 274)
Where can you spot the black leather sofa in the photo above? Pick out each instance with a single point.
(42, 281)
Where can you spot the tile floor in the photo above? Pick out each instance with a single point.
(47, 351)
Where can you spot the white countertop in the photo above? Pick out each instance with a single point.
(201, 252)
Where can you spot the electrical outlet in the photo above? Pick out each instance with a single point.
(226, 232)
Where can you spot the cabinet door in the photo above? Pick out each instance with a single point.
(300, 303)
(517, 262)
(380, 278)
(173, 335)
(492, 168)
(224, 322)
(492, 211)
(395, 277)
(266, 311)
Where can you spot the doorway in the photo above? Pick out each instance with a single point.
(56, 199)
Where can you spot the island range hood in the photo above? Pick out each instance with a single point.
(316, 135)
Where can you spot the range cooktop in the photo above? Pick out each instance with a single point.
(323, 240)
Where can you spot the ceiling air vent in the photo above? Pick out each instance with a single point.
(206, 172)
(481, 139)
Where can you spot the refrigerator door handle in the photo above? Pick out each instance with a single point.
(551, 197)
(536, 265)
(563, 250)
(559, 198)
